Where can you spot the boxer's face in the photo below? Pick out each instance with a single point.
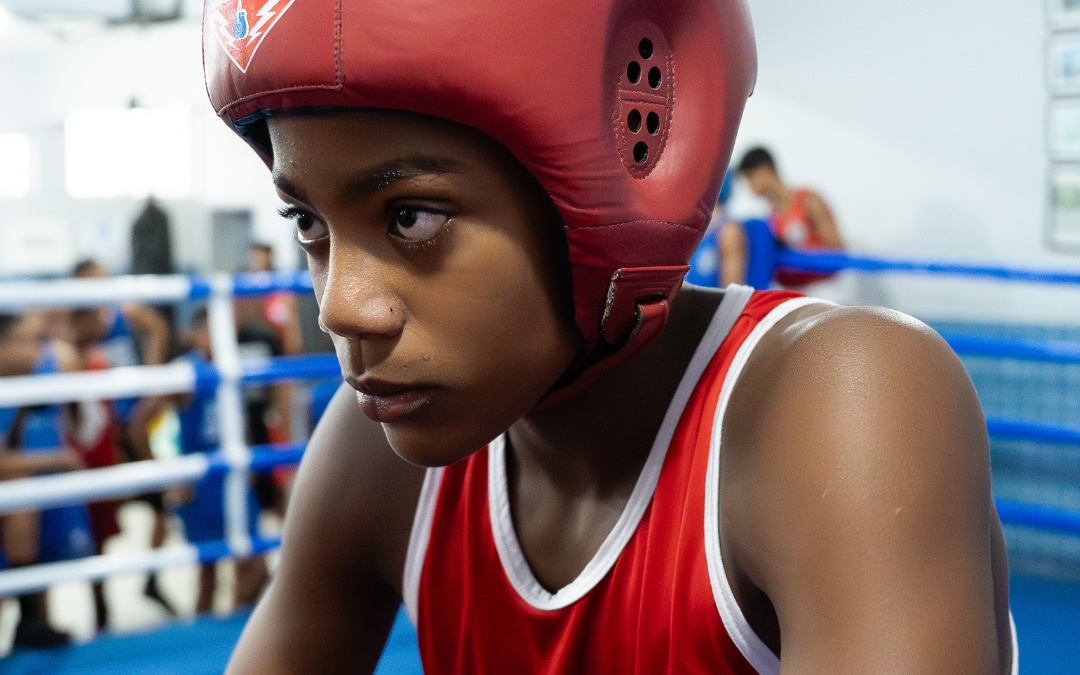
(433, 266)
(763, 181)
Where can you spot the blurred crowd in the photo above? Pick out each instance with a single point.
(44, 439)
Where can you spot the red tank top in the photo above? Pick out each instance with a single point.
(793, 229)
(654, 599)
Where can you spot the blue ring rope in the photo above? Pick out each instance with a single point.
(1051, 351)
(766, 254)
(1012, 512)
(1027, 430)
(835, 262)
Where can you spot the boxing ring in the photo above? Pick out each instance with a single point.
(227, 374)
(234, 460)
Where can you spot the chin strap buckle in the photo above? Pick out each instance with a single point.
(638, 302)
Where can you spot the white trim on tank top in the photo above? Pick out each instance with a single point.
(513, 559)
(418, 541)
(756, 652)
(753, 649)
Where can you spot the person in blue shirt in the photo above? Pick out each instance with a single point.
(203, 515)
(720, 258)
(32, 443)
(128, 334)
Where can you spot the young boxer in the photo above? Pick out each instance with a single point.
(560, 458)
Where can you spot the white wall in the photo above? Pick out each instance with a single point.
(45, 77)
(922, 124)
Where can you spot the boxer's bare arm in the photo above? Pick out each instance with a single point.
(821, 219)
(733, 254)
(337, 590)
(153, 330)
(856, 497)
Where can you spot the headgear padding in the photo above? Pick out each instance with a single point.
(625, 111)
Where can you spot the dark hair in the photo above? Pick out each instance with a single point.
(259, 246)
(84, 266)
(6, 322)
(755, 158)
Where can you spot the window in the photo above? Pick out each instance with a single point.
(132, 152)
(14, 165)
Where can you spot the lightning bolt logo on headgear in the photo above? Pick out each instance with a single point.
(241, 25)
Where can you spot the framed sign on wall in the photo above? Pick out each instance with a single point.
(1063, 125)
(1063, 63)
(1063, 231)
(1064, 14)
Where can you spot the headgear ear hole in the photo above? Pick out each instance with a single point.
(652, 123)
(641, 152)
(654, 77)
(642, 96)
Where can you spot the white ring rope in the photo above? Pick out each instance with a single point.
(124, 382)
(153, 289)
(182, 377)
(38, 577)
(122, 480)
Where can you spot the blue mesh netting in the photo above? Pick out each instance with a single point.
(1039, 473)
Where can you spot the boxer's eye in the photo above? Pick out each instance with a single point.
(308, 229)
(417, 225)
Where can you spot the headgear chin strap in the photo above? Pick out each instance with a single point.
(625, 111)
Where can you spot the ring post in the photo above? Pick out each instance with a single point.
(761, 258)
(230, 411)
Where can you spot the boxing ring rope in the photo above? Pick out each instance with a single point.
(147, 288)
(125, 480)
(766, 254)
(228, 374)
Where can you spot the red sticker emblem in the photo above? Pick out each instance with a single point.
(242, 25)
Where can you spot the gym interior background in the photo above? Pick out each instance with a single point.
(931, 128)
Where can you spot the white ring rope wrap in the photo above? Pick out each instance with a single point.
(230, 411)
(125, 382)
(91, 485)
(153, 289)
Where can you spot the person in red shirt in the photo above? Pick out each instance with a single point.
(800, 218)
(558, 457)
(269, 325)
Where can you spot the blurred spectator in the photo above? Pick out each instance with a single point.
(712, 264)
(126, 335)
(276, 311)
(269, 326)
(31, 443)
(202, 513)
(800, 220)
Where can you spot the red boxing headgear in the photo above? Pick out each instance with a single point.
(625, 111)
